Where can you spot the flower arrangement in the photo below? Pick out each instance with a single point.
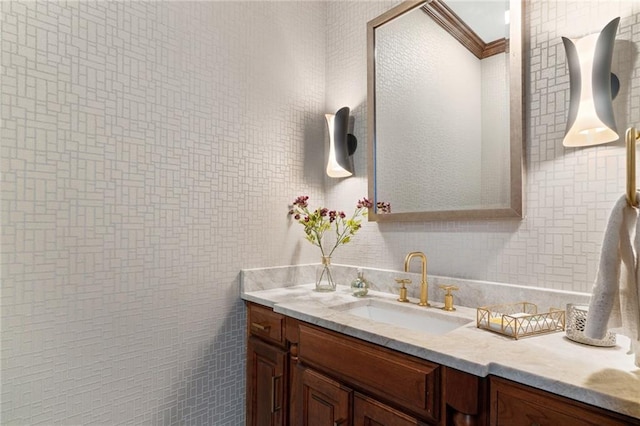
(321, 220)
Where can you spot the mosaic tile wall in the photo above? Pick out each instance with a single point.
(149, 152)
(568, 192)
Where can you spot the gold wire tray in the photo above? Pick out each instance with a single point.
(520, 319)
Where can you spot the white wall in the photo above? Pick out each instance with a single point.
(568, 192)
(149, 152)
(427, 83)
(495, 176)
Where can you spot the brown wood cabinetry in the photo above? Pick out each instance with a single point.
(385, 374)
(513, 404)
(299, 374)
(369, 412)
(266, 384)
(324, 401)
(302, 375)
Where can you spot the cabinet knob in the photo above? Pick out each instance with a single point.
(339, 422)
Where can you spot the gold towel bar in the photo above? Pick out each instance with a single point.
(630, 138)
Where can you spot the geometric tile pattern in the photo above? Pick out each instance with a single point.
(568, 192)
(149, 151)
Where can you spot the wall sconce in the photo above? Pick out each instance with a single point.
(592, 88)
(342, 144)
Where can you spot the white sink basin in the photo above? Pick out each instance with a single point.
(413, 317)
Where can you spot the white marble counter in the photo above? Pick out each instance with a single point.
(604, 377)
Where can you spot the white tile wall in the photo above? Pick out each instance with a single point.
(149, 151)
(568, 192)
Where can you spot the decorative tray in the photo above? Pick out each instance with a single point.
(520, 319)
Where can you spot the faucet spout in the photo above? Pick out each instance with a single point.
(424, 286)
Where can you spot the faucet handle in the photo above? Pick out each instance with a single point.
(448, 297)
(403, 289)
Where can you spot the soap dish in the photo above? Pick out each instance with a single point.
(520, 319)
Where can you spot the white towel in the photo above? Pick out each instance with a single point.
(615, 302)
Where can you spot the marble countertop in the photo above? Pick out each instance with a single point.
(604, 377)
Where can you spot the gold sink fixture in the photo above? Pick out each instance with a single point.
(424, 287)
(448, 297)
(403, 289)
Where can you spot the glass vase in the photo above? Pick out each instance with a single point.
(324, 278)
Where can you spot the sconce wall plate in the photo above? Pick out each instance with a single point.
(342, 144)
(591, 120)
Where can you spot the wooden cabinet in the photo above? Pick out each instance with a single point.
(265, 324)
(299, 374)
(267, 368)
(266, 378)
(387, 375)
(369, 412)
(324, 401)
(513, 404)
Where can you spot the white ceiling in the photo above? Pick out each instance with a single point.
(485, 17)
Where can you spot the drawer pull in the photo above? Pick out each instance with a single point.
(339, 422)
(274, 399)
(260, 327)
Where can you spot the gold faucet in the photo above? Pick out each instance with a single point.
(424, 287)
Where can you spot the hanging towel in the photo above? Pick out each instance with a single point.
(615, 302)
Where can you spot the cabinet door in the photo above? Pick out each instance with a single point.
(265, 384)
(513, 404)
(386, 375)
(369, 412)
(325, 402)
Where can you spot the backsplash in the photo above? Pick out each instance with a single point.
(568, 192)
(470, 293)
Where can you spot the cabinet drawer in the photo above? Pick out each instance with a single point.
(264, 323)
(513, 404)
(399, 379)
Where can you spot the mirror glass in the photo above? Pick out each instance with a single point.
(445, 110)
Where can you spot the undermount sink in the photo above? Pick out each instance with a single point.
(428, 320)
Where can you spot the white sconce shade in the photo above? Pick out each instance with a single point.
(342, 144)
(591, 120)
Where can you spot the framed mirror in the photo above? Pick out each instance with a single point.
(445, 115)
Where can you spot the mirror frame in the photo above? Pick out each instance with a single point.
(516, 117)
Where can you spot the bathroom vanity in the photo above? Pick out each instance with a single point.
(301, 374)
(315, 376)
(311, 363)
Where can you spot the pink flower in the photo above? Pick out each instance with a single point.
(365, 203)
(317, 222)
